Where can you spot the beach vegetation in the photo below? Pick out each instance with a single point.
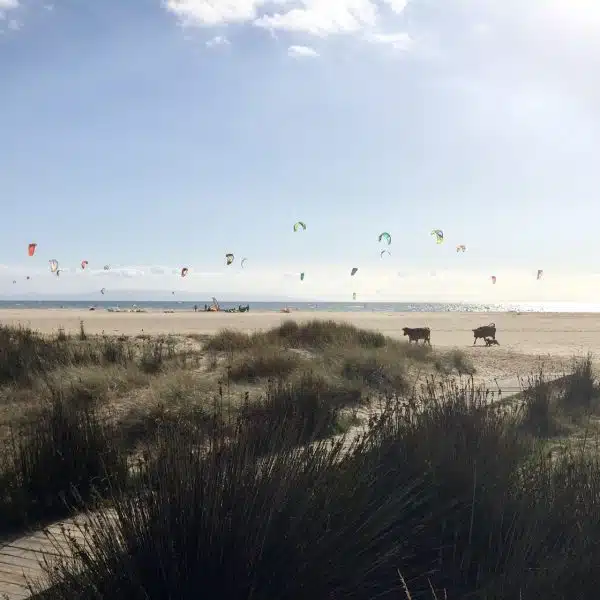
(311, 460)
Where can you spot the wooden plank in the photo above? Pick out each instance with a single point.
(21, 558)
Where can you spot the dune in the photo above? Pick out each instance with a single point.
(556, 334)
(526, 339)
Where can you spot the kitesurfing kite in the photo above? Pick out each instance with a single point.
(184, 271)
(493, 278)
(301, 276)
(298, 225)
(385, 236)
(461, 248)
(84, 264)
(106, 267)
(540, 273)
(354, 296)
(53, 265)
(353, 272)
(439, 235)
(31, 249)
(384, 252)
(243, 262)
(102, 291)
(229, 258)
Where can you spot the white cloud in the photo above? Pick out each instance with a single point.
(399, 41)
(320, 18)
(397, 6)
(218, 40)
(14, 25)
(324, 17)
(302, 52)
(212, 12)
(8, 4)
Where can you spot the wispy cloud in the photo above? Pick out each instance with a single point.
(302, 52)
(320, 18)
(13, 13)
(5, 7)
(324, 282)
(8, 4)
(399, 41)
(218, 40)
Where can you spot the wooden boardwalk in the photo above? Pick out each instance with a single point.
(21, 558)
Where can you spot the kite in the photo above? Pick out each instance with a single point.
(31, 249)
(106, 267)
(354, 296)
(302, 276)
(383, 252)
(461, 248)
(53, 265)
(243, 261)
(540, 273)
(493, 278)
(184, 271)
(353, 272)
(385, 236)
(439, 235)
(298, 225)
(229, 258)
(102, 291)
(84, 264)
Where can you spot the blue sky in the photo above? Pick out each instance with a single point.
(152, 135)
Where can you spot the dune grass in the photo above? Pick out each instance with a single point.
(444, 492)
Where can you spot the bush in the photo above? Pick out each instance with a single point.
(265, 363)
(320, 333)
(61, 454)
(228, 340)
(305, 410)
(290, 525)
(539, 418)
(379, 370)
(581, 388)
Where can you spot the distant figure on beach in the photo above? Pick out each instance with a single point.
(195, 308)
(205, 307)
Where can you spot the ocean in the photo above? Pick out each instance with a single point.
(387, 307)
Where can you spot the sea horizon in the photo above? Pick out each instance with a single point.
(301, 305)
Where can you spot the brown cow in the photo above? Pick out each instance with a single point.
(418, 333)
(485, 331)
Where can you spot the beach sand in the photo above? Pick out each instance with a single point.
(526, 339)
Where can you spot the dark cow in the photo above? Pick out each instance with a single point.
(486, 331)
(491, 341)
(418, 333)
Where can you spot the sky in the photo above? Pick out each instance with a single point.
(151, 135)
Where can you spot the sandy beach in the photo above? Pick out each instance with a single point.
(556, 334)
